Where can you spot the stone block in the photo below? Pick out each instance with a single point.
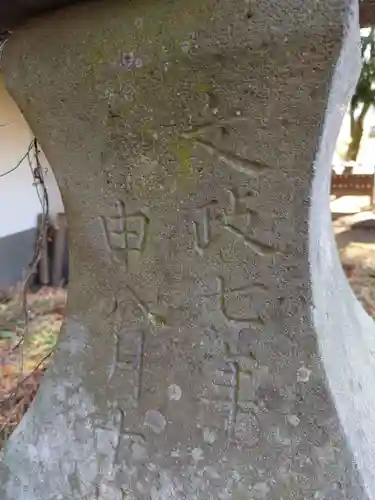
(212, 347)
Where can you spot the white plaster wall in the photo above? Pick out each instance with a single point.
(19, 203)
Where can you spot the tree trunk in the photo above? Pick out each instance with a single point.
(355, 142)
(356, 132)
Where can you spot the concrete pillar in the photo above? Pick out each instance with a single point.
(212, 347)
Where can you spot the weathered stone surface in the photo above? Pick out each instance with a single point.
(14, 12)
(212, 348)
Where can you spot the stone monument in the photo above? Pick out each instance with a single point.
(212, 348)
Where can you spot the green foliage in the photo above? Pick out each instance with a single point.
(364, 95)
(365, 90)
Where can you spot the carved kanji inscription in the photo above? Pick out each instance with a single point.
(127, 364)
(125, 233)
(238, 218)
(241, 424)
(233, 297)
(202, 226)
(153, 318)
(125, 442)
(229, 397)
(250, 168)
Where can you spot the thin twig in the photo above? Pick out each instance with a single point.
(38, 177)
(14, 348)
(38, 180)
(7, 421)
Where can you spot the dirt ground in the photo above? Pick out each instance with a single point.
(22, 368)
(358, 260)
(355, 238)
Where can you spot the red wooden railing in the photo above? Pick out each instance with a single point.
(352, 185)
